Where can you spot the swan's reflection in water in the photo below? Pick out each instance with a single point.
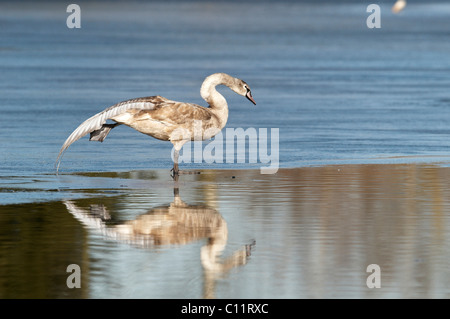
(175, 224)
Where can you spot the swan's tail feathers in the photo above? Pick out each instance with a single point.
(96, 124)
(100, 135)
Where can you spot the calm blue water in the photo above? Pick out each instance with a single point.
(335, 89)
(339, 93)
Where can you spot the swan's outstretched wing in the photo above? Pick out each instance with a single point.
(96, 122)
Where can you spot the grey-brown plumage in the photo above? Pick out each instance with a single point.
(167, 120)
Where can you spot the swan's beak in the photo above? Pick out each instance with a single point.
(250, 97)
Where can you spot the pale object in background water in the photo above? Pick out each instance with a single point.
(399, 6)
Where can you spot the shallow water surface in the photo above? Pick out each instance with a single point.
(336, 90)
(302, 233)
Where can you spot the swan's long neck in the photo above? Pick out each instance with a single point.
(209, 93)
(216, 101)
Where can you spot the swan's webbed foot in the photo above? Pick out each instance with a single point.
(249, 247)
(175, 172)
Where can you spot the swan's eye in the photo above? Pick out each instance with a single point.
(247, 88)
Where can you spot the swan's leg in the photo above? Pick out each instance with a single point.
(100, 134)
(177, 145)
(175, 169)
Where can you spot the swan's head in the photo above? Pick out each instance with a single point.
(235, 84)
(242, 88)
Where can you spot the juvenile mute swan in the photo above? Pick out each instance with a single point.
(164, 119)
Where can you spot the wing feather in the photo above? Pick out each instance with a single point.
(95, 122)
